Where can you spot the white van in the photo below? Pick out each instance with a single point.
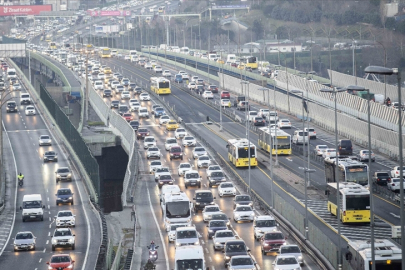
(212, 56)
(184, 50)
(11, 73)
(32, 207)
(189, 257)
(231, 58)
(298, 137)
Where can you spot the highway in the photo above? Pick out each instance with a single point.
(24, 132)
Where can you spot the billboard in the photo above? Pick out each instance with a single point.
(107, 28)
(23, 10)
(96, 13)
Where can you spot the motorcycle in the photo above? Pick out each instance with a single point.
(21, 182)
(153, 254)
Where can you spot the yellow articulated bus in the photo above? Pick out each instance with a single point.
(160, 85)
(280, 141)
(249, 61)
(354, 201)
(241, 151)
(53, 46)
(105, 53)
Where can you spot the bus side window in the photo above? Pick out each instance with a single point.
(227, 146)
(326, 192)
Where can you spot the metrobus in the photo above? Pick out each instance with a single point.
(249, 61)
(279, 139)
(105, 53)
(348, 171)
(53, 46)
(354, 201)
(176, 208)
(89, 48)
(160, 85)
(388, 255)
(239, 150)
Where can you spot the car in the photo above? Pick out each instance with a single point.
(258, 121)
(125, 95)
(154, 165)
(189, 141)
(395, 172)
(203, 161)
(251, 116)
(161, 171)
(64, 195)
(191, 85)
(65, 218)
(144, 97)
(16, 86)
(203, 198)
(192, 178)
(394, 185)
(159, 112)
(128, 117)
(183, 168)
(125, 82)
(11, 106)
(311, 132)
(171, 234)
(172, 125)
(381, 178)
(216, 225)
(153, 152)
(134, 106)
(221, 237)
(63, 173)
(179, 133)
(187, 236)
(143, 112)
(286, 262)
(272, 241)
(24, 241)
(364, 155)
(225, 94)
(166, 73)
(209, 210)
(234, 248)
(329, 152)
(164, 119)
(226, 188)
(226, 102)
(141, 133)
(131, 86)
(178, 78)
(30, 110)
(170, 141)
(154, 106)
(149, 141)
(212, 168)
(63, 237)
(199, 89)
(208, 95)
(216, 178)
(61, 261)
(119, 89)
(194, 79)
(114, 84)
(98, 85)
(138, 90)
(213, 88)
(242, 199)
(241, 262)
(199, 151)
(292, 250)
(50, 156)
(284, 123)
(115, 104)
(175, 152)
(107, 93)
(122, 108)
(320, 148)
(158, 69)
(243, 213)
(263, 224)
(44, 140)
(243, 106)
(165, 179)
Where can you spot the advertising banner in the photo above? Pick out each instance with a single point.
(96, 13)
(24, 10)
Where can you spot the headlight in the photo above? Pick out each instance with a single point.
(236, 215)
(266, 245)
(171, 154)
(252, 214)
(69, 175)
(217, 243)
(227, 258)
(197, 243)
(71, 240)
(58, 176)
(70, 198)
(197, 203)
(70, 266)
(170, 182)
(299, 257)
(50, 267)
(177, 244)
(54, 241)
(209, 230)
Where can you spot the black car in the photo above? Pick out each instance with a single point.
(202, 198)
(242, 200)
(115, 104)
(64, 195)
(259, 121)
(200, 89)
(11, 106)
(107, 93)
(138, 90)
(381, 178)
(216, 178)
(234, 248)
(131, 86)
(119, 77)
(222, 217)
(216, 225)
(50, 156)
(134, 124)
(123, 109)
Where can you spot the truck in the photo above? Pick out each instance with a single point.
(238, 99)
(189, 257)
(32, 207)
(231, 58)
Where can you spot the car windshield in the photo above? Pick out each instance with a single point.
(44, 137)
(174, 227)
(235, 247)
(65, 170)
(243, 209)
(175, 149)
(192, 264)
(149, 139)
(24, 236)
(212, 209)
(165, 177)
(224, 234)
(142, 130)
(64, 192)
(291, 249)
(204, 158)
(274, 236)
(181, 130)
(217, 174)
(186, 234)
(159, 109)
(199, 149)
(217, 223)
(31, 204)
(65, 214)
(155, 163)
(50, 153)
(242, 198)
(220, 217)
(153, 149)
(60, 259)
(62, 233)
(185, 166)
(265, 223)
(286, 261)
(171, 141)
(242, 261)
(227, 185)
(193, 175)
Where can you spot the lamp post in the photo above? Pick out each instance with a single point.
(220, 105)
(286, 74)
(247, 131)
(335, 91)
(385, 64)
(396, 71)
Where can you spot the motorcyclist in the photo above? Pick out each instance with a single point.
(388, 101)
(149, 265)
(152, 245)
(20, 177)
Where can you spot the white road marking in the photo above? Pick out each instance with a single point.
(47, 242)
(395, 215)
(44, 250)
(40, 260)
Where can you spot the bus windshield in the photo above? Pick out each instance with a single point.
(177, 209)
(243, 152)
(252, 59)
(357, 175)
(284, 143)
(164, 84)
(357, 202)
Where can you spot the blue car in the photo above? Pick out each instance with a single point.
(159, 112)
(178, 78)
(64, 195)
(216, 225)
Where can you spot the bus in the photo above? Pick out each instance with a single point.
(53, 46)
(249, 61)
(89, 48)
(160, 85)
(105, 53)
(348, 171)
(388, 255)
(280, 140)
(354, 201)
(238, 152)
(176, 208)
(161, 9)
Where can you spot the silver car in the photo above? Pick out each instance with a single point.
(63, 173)
(199, 151)
(45, 140)
(241, 262)
(24, 241)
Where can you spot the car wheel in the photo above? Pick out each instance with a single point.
(53, 248)
(210, 185)
(42, 218)
(263, 253)
(181, 158)
(199, 186)
(71, 203)
(57, 203)
(220, 195)
(23, 219)
(73, 247)
(147, 157)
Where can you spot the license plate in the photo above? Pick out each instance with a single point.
(23, 246)
(62, 243)
(358, 218)
(33, 216)
(192, 184)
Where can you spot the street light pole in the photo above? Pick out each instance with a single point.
(248, 131)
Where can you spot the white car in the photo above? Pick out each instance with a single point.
(187, 236)
(127, 57)
(226, 103)
(125, 95)
(101, 76)
(243, 213)
(114, 84)
(394, 184)
(208, 95)
(226, 188)
(251, 116)
(180, 133)
(16, 86)
(242, 262)
(330, 152)
(30, 110)
(98, 85)
(286, 262)
(63, 237)
(183, 168)
(212, 168)
(45, 140)
(164, 119)
(172, 230)
(119, 89)
(153, 152)
(189, 141)
(149, 141)
(292, 250)
(161, 171)
(65, 218)
(319, 149)
(144, 97)
(210, 210)
(191, 85)
(170, 142)
(263, 224)
(395, 171)
(284, 123)
(154, 165)
(134, 106)
(158, 69)
(203, 161)
(166, 73)
(199, 151)
(220, 237)
(143, 112)
(194, 79)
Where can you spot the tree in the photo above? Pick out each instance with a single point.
(258, 29)
(282, 32)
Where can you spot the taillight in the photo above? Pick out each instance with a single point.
(397, 172)
(378, 179)
(344, 213)
(389, 179)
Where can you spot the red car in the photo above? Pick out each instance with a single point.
(213, 88)
(272, 241)
(225, 94)
(128, 117)
(141, 133)
(61, 262)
